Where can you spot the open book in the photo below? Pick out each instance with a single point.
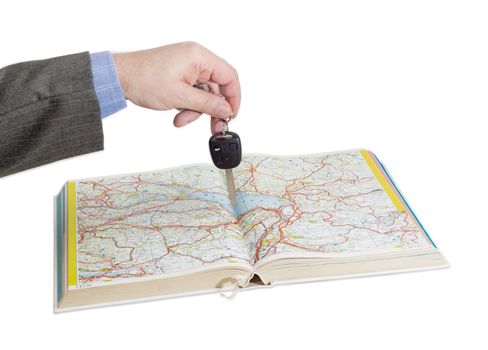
(175, 232)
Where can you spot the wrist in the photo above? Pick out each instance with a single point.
(120, 61)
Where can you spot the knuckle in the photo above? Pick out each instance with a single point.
(189, 43)
(192, 48)
(231, 67)
(234, 71)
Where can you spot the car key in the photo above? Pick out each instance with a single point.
(226, 152)
(225, 148)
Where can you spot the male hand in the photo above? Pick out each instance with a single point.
(163, 79)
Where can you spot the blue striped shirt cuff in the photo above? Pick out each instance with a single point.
(110, 95)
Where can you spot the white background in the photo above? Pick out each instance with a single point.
(406, 79)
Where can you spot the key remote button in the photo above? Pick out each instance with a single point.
(225, 150)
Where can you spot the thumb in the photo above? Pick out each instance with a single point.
(205, 102)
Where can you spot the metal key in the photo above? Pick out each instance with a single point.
(225, 148)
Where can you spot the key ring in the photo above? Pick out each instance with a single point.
(204, 86)
(225, 125)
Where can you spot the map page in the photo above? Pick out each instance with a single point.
(324, 203)
(180, 219)
(155, 223)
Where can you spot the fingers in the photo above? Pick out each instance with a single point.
(226, 76)
(216, 125)
(185, 117)
(204, 102)
(215, 87)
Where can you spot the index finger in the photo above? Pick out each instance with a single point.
(227, 78)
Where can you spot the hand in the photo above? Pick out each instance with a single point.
(163, 79)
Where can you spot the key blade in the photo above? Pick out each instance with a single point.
(231, 186)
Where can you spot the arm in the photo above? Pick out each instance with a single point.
(48, 111)
(52, 109)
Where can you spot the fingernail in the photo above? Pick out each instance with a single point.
(223, 111)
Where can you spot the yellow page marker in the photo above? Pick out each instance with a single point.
(379, 175)
(72, 273)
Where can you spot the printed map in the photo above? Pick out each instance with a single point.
(320, 204)
(178, 219)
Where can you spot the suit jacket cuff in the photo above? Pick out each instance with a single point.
(48, 111)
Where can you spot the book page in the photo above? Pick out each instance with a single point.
(155, 223)
(315, 204)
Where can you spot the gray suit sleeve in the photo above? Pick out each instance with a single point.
(48, 111)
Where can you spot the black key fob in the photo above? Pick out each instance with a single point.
(225, 149)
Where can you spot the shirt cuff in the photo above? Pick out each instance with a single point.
(110, 95)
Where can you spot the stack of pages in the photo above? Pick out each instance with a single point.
(175, 232)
